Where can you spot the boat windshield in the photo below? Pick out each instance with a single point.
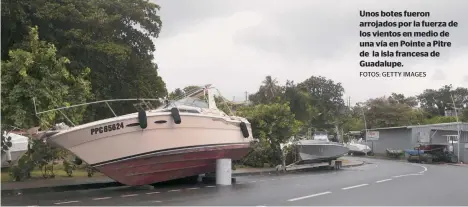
(319, 135)
(188, 101)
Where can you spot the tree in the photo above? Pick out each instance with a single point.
(37, 72)
(269, 92)
(352, 123)
(401, 99)
(380, 112)
(225, 105)
(114, 38)
(460, 97)
(272, 124)
(191, 89)
(464, 115)
(300, 103)
(436, 102)
(440, 119)
(327, 97)
(177, 93)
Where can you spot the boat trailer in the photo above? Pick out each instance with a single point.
(301, 165)
(431, 153)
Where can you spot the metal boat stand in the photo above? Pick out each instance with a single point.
(223, 174)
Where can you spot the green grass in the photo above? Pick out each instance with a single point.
(241, 166)
(58, 171)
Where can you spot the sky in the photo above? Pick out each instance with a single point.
(234, 44)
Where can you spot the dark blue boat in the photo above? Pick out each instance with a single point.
(414, 152)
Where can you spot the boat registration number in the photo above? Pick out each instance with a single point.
(108, 128)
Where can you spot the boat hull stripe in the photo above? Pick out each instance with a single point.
(162, 151)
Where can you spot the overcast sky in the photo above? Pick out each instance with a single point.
(234, 44)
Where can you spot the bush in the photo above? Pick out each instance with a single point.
(22, 170)
(261, 153)
(68, 167)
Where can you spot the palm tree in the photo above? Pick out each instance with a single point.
(270, 88)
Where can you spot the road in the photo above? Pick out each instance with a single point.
(381, 182)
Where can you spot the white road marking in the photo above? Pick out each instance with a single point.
(103, 198)
(273, 179)
(128, 195)
(66, 202)
(156, 201)
(261, 180)
(425, 168)
(309, 196)
(381, 181)
(356, 186)
(176, 190)
(399, 176)
(210, 186)
(239, 183)
(192, 188)
(149, 193)
(253, 181)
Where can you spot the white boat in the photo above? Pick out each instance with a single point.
(179, 139)
(320, 149)
(19, 146)
(357, 147)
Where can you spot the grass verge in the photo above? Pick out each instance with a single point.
(36, 174)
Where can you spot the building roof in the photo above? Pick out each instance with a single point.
(463, 126)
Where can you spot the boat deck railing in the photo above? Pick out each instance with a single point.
(144, 102)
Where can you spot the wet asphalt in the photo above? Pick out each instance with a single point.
(379, 182)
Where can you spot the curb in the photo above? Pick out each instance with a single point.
(61, 188)
(253, 173)
(459, 165)
(385, 158)
(355, 165)
(90, 186)
(293, 170)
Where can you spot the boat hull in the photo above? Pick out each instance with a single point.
(16, 151)
(14, 157)
(171, 164)
(160, 134)
(162, 151)
(317, 152)
(359, 148)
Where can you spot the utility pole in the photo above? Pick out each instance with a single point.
(365, 122)
(458, 128)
